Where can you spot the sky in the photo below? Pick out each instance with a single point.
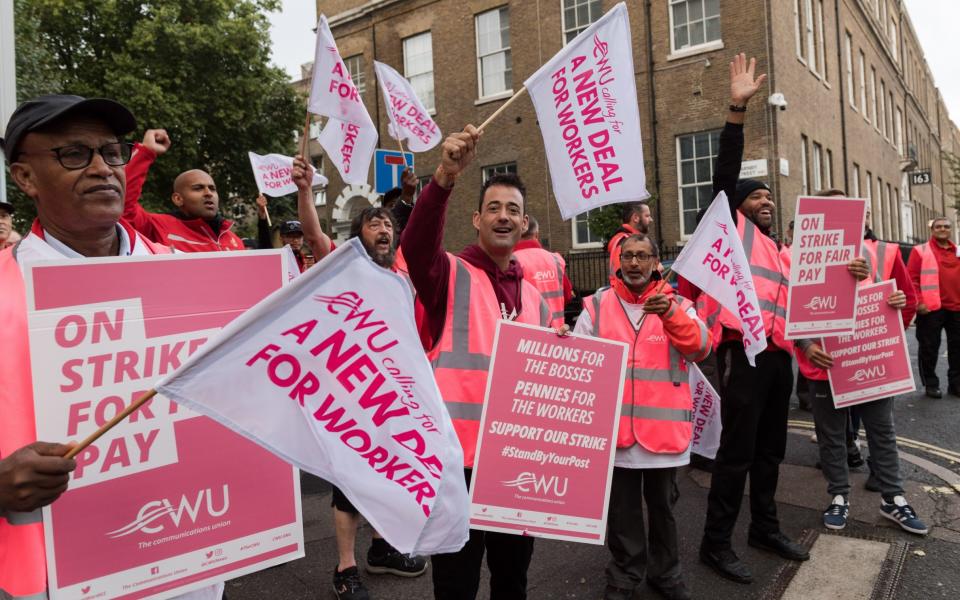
(934, 21)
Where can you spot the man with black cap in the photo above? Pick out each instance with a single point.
(6, 224)
(65, 153)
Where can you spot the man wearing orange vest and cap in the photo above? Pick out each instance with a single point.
(935, 270)
(464, 296)
(546, 270)
(64, 153)
(662, 331)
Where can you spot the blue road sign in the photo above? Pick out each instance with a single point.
(388, 169)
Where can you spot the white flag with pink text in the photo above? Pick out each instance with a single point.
(586, 103)
(349, 136)
(409, 119)
(706, 414)
(328, 374)
(713, 260)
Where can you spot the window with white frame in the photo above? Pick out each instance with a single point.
(828, 170)
(418, 67)
(817, 170)
(821, 43)
(494, 65)
(883, 108)
(582, 236)
(804, 167)
(809, 29)
(354, 66)
(882, 209)
(855, 190)
(898, 131)
(798, 21)
(863, 88)
(848, 64)
(501, 169)
(873, 98)
(578, 15)
(890, 105)
(693, 23)
(696, 154)
(893, 41)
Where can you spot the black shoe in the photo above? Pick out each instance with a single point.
(671, 590)
(347, 585)
(854, 458)
(395, 563)
(779, 544)
(726, 564)
(933, 392)
(612, 592)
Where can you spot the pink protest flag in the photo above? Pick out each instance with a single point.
(328, 374)
(586, 103)
(714, 261)
(349, 135)
(706, 414)
(409, 120)
(274, 174)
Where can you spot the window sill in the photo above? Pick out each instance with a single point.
(586, 246)
(694, 50)
(493, 98)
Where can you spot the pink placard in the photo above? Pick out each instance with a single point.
(547, 435)
(167, 501)
(828, 234)
(872, 363)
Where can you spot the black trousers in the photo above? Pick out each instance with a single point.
(638, 552)
(456, 576)
(929, 331)
(754, 403)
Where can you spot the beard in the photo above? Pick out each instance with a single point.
(383, 259)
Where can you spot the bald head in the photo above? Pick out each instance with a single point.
(195, 194)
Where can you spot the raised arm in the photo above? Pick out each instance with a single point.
(307, 211)
(155, 143)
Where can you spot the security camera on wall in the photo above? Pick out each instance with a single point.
(777, 100)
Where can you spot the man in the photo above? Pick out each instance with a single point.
(6, 225)
(547, 271)
(196, 224)
(655, 430)
(64, 153)
(935, 271)
(832, 423)
(464, 296)
(635, 218)
(318, 243)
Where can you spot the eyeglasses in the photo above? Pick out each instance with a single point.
(79, 156)
(629, 258)
(941, 227)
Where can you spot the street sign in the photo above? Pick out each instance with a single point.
(388, 169)
(920, 177)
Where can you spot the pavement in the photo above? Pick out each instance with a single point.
(871, 559)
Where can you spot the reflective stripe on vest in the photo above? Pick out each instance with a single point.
(459, 356)
(929, 277)
(23, 518)
(5, 595)
(880, 257)
(535, 261)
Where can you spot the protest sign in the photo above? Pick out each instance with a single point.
(167, 501)
(586, 103)
(706, 414)
(409, 120)
(329, 374)
(274, 174)
(873, 362)
(713, 260)
(349, 136)
(822, 296)
(547, 434)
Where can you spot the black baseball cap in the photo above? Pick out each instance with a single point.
(43, 110)
(291, 228)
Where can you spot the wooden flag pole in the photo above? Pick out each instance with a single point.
(402, 151)
(267, 212)
(111, 423)
(305, 142)
(502, 108)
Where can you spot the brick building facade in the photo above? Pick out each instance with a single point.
(861, 109)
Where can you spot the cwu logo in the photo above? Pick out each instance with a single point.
(539, 484)
(154, 516)
(870, 373)
(822, 303)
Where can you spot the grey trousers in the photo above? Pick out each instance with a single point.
(637, 552)
(831, 425)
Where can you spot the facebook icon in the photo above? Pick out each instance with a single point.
(388, 169)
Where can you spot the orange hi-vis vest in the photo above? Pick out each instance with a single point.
(929, 277)
(880, 257)
(771, 277)
(545, 269)
(23, 567)
(461, 357)
(656, 409)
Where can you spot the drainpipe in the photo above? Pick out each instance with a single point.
(843, 108)
(772, 117)
(652, 98)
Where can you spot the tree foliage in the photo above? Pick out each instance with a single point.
(952, 178)
(197, 68)
(604, 221)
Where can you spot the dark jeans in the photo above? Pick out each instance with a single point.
(753, 410)
(636, 551)
(929, 330)
(456, 576)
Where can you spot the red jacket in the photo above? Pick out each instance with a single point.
(185, 235)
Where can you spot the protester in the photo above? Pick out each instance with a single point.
(655, 431)
(832, 423)
(403, 202)
(935, 271)
(635, 219)
(546, 270)
(464, 296)
(6, 225)
(65, 154)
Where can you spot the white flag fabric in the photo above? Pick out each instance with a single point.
(274, 174)
(706, 414)
(328, 374)
(409, 120)
(713, 260)
(349, 136)
(586, 103)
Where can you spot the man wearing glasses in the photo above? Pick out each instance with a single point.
(935, 271)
